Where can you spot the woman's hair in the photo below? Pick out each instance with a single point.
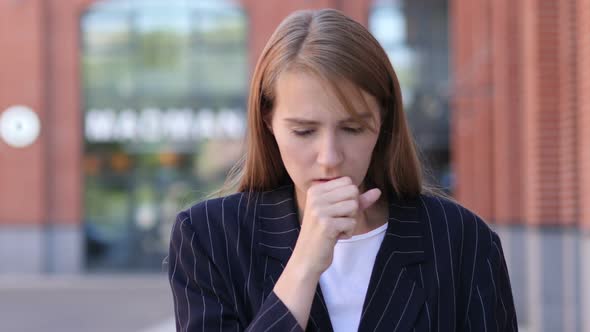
(337, 49)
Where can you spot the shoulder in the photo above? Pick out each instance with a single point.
(218, 214)
(215, 222)
(236, 211)
(449, 220)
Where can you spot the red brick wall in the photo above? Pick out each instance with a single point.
(65, 140)
(528, 88)
(472, 124)
(583, 109)
(42, 183)
(505, 98)
(519, 122)
(22, 76)
(568, 105)
(546, 113)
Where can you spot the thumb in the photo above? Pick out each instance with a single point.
(368, 198)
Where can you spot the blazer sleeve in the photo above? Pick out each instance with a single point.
(491, 306)
(202, 300)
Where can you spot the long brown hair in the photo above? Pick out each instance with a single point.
(336, 48)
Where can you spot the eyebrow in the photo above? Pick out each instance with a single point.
(312, 122)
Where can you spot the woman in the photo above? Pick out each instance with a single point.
(331, 227)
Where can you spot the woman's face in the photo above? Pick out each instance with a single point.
(318, 140)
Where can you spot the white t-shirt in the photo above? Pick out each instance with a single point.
(344, 284)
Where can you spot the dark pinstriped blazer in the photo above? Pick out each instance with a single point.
(439, 268)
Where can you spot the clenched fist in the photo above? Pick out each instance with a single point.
(332, 211)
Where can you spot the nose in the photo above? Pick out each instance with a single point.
(329, 153)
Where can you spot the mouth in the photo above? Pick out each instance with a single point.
(321, 180)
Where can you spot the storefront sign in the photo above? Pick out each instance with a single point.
(154, 125)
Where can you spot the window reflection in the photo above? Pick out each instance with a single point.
(164, 86)
(415, 36)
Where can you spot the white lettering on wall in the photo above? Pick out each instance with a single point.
(154, 125)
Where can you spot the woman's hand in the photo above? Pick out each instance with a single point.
(332, 211)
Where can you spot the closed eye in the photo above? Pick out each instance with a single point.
(355, 130)
(308, 132)
(305, 132)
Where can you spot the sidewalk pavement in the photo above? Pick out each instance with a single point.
(105, 303)
(110, 303)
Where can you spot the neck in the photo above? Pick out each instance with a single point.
(372, 218)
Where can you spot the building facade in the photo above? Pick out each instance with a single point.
(115, 114)
(98, 111)
(521, 146)
(133, 101)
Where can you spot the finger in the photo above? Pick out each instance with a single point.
(347, 192)
(368, 198)
(333, 184)
(347, 208)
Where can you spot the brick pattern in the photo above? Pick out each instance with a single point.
(582, 88)
(520, 122)
(568, 170)
(40, 69)
(547, 112)
(500, 110)
(524, 139)
(471, 125)
(22, 177)
(512, 191)
(528, 88)
(65, 146)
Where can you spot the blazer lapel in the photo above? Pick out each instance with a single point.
(279, 229)
(395, 294)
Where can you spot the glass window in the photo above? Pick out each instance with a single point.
(415, 36)
(164, 86)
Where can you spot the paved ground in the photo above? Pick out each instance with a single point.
(141, 303)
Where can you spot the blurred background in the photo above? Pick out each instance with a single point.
(116, 114)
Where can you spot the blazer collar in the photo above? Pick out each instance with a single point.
(394, 295)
